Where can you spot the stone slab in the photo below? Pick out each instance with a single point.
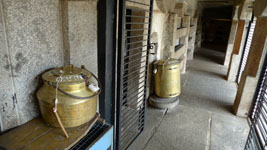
(182, 128)
(228, 132)
(153, 119)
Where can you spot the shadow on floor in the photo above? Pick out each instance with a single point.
(211, 55)
(204, 117)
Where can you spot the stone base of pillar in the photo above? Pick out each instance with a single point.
(244, 97)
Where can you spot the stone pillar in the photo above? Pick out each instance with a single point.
(186, 24)
(250, 77)
(198, 34)
(192, 38)
(230, 44)
(244, 16)
(237, 50)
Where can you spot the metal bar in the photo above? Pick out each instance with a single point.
(137, 2)
(133, 104)
(121, 46)
(129, 119)
(134, 86)
(141, 41)
(132, 67)
(132, 49)
(259, 135)
(263, 129)
(135, 36)
(132, 94)
(125, 99)
(134, 91)
(135, 54)
(133, 72)
(141, 29)
(139, 9)
(133, 78)
(129, 125)
(132, 100)
(134, 60)
(256, 137)
(126, 144)
(136, 103)
(137, 23)
(134, 16)
(136, 97)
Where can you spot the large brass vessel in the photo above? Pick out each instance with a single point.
(77, 104)
(167, 78)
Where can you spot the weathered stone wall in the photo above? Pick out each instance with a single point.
(82, 24)
(31, 38)
(31, 42)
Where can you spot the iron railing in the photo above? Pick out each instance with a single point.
(257, 139)
(134, 31)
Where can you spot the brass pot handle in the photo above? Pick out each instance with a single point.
(86, 78)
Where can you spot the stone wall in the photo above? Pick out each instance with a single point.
(31, 41)
(171, 25)
(82, 33)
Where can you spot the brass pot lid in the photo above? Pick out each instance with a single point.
(167, 62)
(66, 75)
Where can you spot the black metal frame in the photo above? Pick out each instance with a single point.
(258, 115)
(106, 58)
(121, 73)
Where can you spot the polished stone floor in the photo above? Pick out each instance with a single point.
(203, 120)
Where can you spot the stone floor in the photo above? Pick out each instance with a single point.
(203, 120)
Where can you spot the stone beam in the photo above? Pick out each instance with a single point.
(245, 10)
(260, 8)
(180, 9)
(166, 6)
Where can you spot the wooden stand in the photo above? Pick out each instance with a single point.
(36, 135)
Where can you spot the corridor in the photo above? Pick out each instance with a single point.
(203, 120)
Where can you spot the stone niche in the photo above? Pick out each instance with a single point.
(173, 29)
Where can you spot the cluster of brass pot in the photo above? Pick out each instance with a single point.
(77, 104)
(167, 78)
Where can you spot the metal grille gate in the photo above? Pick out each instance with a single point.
(244, 58)
(134, 30)
(257, 139)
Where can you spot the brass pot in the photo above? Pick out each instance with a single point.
(77, 104)
(167, 78)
